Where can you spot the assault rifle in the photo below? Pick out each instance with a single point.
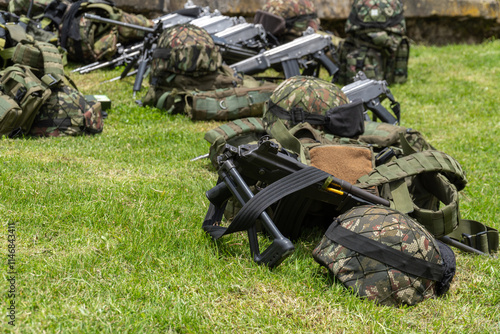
(246, 165)
(372, 93)
(285, 181)
(291, 56)
(216, 23)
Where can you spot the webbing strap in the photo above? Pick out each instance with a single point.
(420, 162)
(249, 213)
(383, 253)
(161, 101)
(287, 140)
(291, 183)
(476, 235)
(235, 128)
(52, 59)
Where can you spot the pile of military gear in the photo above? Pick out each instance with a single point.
(36, 98)
(86, 41)
(14, 29)
(375, 42)
(391, 196)
(188, 76)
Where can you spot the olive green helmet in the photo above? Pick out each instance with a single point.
(316, 101)
(386, 256)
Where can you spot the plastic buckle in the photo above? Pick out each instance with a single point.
(385, 155)
(467, 239)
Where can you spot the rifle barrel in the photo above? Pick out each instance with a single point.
(118, 23)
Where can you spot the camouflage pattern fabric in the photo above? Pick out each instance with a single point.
(313, 95)
(369, 12)
(67, 113)
(294, 9)
(97, 43)
(127, 35)
(21, 7)
(370, 278)
(187, 50)
(375, 42)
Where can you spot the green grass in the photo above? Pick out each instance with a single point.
(109, 234)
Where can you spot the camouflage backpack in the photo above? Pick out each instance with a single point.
(287, 20)
(88, 41)
(65, 112)
(376, 42)
(187, 76)
(385, 256)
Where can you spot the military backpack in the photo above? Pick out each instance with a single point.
(375, 43)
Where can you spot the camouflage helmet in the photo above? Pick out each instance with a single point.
(386, 256)
(380, 15)
(309, 99)
(298, 14)
(185, 49)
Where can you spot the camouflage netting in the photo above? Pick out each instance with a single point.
(380, 281)
(313, 95)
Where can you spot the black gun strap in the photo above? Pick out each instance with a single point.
(291, 183)
(376, 250)
(247, 216)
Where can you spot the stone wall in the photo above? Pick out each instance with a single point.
(429, 21)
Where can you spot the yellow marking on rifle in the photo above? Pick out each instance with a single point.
(336, 191)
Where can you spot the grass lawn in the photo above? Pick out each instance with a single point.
(108, 228)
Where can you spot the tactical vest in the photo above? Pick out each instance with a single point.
(21, 97)
(375, 42)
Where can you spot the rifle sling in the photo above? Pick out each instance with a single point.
(247, 216)
(70, 25)
(291, 183)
